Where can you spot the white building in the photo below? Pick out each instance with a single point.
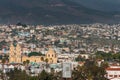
(113, 73)
(67, 57)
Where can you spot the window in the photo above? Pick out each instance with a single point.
(48, 55)
(115, 75)
(110, 75)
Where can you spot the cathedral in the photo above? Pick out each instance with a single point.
(15, 56)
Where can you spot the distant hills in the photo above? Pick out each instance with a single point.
(52, 12)
(103, 5)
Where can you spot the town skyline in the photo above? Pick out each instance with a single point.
(59, 40)
(35, 49)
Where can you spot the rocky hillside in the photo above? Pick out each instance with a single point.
(51, 12)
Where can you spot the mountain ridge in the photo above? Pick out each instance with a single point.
(50, 12)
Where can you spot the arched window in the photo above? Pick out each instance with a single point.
(48, 55)
(52, 55)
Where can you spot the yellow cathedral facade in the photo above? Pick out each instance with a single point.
(15, 56)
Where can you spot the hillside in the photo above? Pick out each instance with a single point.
(103, 5)
(50, 12)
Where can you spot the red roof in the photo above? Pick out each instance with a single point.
(113, 69)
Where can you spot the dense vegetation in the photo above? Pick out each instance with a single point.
(108, 56)
(99, 55)
(35, 54)
(90, 71)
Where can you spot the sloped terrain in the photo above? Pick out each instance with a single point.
(50, 12)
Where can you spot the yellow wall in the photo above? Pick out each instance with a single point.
(12, 54)
(32, 59)
(51, 56)
(16, 57)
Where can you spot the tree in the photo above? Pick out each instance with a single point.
(46, 60)
(80, 58)
(104, 65)
(27, 61)
(78, 74)
(17, 75)
(90, 71)
(42, 59)
(24, 62)
(20, 75)
(35, 54)
(44, 76)
(3, 62)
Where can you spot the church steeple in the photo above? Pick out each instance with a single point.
(18, 53)
(12, 53)
(15, 54)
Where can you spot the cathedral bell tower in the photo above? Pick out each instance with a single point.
(12, 54)
(15, 54)
(18, 54)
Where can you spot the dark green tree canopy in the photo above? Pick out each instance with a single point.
(35, 54)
